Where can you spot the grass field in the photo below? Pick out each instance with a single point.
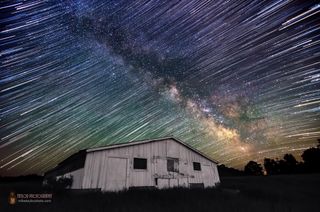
(265, 193)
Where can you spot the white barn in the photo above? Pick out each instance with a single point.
(160, 163)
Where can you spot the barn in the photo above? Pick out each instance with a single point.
(160, 163)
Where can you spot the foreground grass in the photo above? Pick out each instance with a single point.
(272, 193)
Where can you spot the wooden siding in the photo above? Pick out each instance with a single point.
(77, 177)
(99, 170)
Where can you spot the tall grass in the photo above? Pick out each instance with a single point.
(265, 193)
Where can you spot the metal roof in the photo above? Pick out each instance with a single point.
(119, 145)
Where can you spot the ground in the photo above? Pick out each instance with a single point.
(263, 193)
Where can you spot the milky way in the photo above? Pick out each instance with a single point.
(238, 80)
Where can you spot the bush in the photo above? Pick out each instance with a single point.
(60, 183)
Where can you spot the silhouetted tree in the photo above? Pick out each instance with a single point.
(282, 167)
(286, 166)
(253, 168)
(290, 159)
(271, 166)
(22, 178)
(311, 158)
(225, 171)
(290, 164)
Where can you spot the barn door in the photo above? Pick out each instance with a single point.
(116, 178)
(208, 175)
(183, 179)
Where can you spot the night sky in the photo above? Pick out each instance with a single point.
(238, 80)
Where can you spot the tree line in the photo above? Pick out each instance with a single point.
(287, 165)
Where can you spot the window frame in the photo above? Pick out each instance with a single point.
(175, 162)
(140, 169)
(194, 167)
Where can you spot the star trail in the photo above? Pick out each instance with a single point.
(238, 80)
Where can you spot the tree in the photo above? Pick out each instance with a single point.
(289, 165)
(311, 158)
(253, 168)
(290, 159)
(271, 166)
(227, 171)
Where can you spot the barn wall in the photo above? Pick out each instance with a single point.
(186, 175)
(77, 177)
(97, 164)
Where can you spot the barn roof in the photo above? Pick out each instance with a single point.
(119, 145)
(76, 160)
(72, 163)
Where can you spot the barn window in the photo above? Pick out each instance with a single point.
(140, 163)
(196, 166)
(172, 165)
